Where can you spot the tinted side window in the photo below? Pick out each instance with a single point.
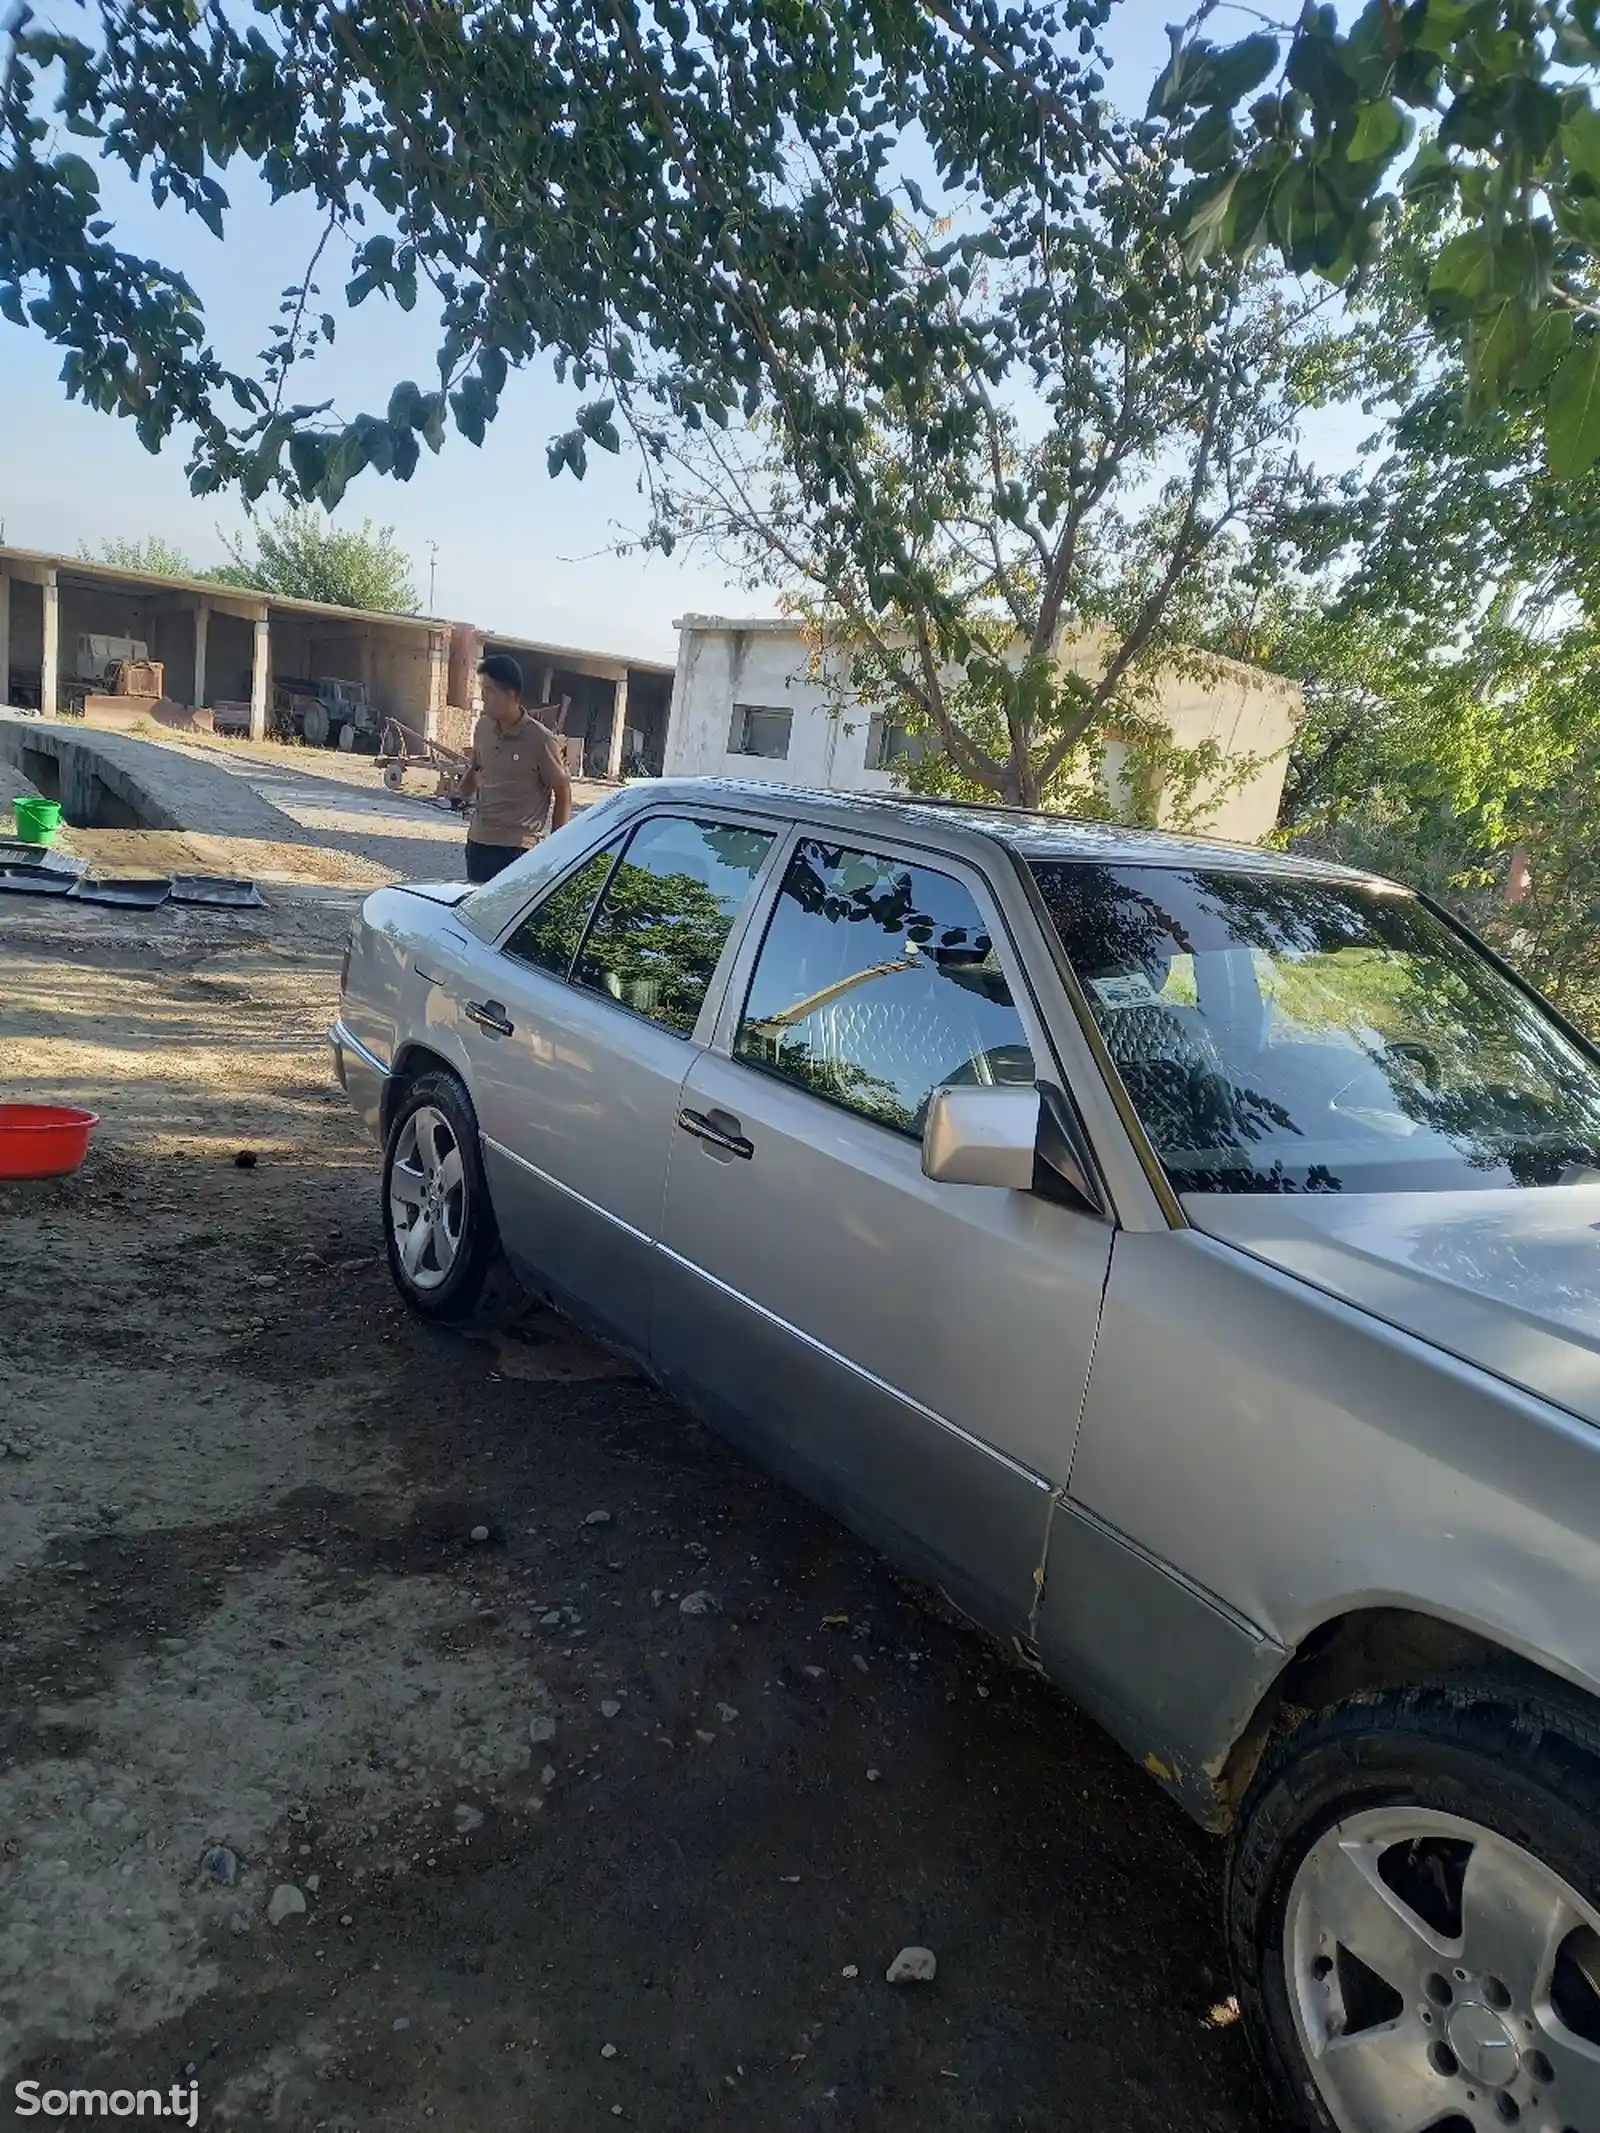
(662, 922)
(548, 937)
(877, 984)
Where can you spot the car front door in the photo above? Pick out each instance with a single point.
(913, 1354)
(580, 1028)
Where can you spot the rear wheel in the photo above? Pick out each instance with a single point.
(1414, 1914)
(438, 1222)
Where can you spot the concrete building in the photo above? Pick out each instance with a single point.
(216, 643)
(220, 645)
(748, 701)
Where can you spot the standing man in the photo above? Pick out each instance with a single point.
(516, 774)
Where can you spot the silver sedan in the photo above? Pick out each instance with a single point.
(1185, 1258)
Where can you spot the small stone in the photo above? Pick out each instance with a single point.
(547, 1776)
(401, 2022)
(313, 1882)
(245, 1159)
(480, 1533)
(468, 1817)
(708, 1738)
(873, 1776)
(726, 1713)
(610, 1707)
(851, 1970)
(814, 1672)
(285, 1901)
(699, 1603)
(984, 1694)
(345, 1919)
(858, 1662)
(551, 1618)
(913, 1966)
(104, 1814)
(541, 1731)
(221, 1864)
(598, 1518)
(608, 2051)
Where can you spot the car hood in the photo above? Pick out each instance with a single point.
(1508, 1279)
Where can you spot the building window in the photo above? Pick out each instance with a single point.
(760, 729)
(889, 743)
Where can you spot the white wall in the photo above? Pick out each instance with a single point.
(722, 663)
(769, 666)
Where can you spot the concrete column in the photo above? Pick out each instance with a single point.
(547, 682)
(50, 661)
(259, 678)
(619, 722)
(438, 682)
(5, 638)
(202, 626)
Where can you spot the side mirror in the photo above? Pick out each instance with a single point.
(1066, 1169)
(982, 1137)
(1023, 1139)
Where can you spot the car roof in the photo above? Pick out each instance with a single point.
(1033, 835)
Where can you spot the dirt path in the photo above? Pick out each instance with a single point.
(569, 1857)
(340, 804)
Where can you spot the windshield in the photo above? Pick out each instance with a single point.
(1284, 1034)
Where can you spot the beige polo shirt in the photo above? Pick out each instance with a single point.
(517, 772)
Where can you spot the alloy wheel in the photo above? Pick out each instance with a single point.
(1443, 1979)
(427, 1197)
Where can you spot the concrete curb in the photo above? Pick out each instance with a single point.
(112, 781)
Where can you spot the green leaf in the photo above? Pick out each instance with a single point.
(1431, 172)
(1382, 128)
(405, 404)
(1496, 344)
(1580, 141)
(1206, 219)
(1441, 25)
(1531, 116)
(1572, 419)
(1231, 73)
(1317, 69)
(1548, 341)
(309, 458)
(1466, 266)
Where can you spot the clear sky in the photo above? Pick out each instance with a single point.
(516, 550)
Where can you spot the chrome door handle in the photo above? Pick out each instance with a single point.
(715, 1136)
(490, 1015)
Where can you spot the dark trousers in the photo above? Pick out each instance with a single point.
(484, 861)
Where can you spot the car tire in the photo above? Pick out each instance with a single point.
(437, 1219)
(1461, 1809)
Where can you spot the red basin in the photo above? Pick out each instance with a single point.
(43, 1140)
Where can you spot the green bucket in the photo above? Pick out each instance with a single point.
(37, 820)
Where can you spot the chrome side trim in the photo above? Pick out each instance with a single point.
(867, 1377)
(567, 1193)
(856, 1370)
(1242, 1623)
(341, 1037)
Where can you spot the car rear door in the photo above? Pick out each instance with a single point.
(914, 1355)
(579, 1028)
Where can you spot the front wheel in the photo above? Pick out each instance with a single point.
(437, 1218)
(1414, 1915)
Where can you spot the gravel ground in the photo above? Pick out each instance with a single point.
(302, 1595)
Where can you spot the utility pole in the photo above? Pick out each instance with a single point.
(433, 565)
